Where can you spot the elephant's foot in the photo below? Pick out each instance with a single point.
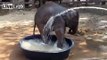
(72, 33)
(60, 44)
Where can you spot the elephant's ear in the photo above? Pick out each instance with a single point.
(68, 15)
(65, 16)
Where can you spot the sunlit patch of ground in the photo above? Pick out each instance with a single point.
(9, 37)
(83, 51)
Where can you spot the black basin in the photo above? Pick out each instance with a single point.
(35, 55)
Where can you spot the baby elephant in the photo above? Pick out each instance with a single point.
(68, 19)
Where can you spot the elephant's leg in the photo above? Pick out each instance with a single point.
(74, 25)
(69, 32)
(40, 28)
(44, 34)
(59, 28)
(73, 30)
(60, 37)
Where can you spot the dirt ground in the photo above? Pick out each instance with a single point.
(20, 25)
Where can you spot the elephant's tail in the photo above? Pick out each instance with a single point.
(34, 26)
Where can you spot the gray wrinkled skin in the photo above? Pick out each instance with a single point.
(69, 19)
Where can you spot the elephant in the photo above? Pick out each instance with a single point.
(69, 19)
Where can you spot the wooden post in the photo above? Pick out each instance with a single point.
(14, 2)
(33, 3)
(97, 2)
(103, 2)
(41, 2)
(60, 1)
(27, 2)
(73, 2)
(86, 3)
(78, 2)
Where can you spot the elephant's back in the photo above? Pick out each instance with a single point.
(47, 10)
(50, 9)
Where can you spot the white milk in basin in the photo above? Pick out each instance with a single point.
(38, 45)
